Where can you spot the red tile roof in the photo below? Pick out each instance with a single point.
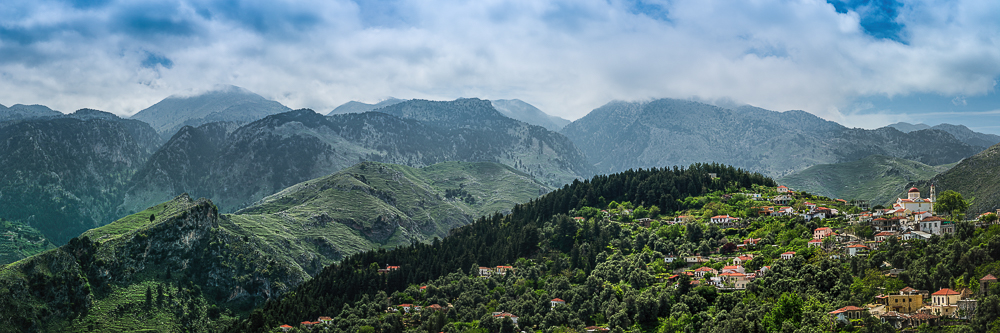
(945, 292)
(558, 300)
(988, 277)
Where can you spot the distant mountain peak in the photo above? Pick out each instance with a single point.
(223, 103)
(908, 127)
(520, 110)
(359, 107)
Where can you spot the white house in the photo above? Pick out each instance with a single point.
(931, 225)
(556, 301)
(788, 255)
(782, 189)
(853, 250)
(724, 219)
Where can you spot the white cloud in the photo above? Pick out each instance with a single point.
(566, 57)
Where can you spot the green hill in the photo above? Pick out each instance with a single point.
(376, 205)
(879, 179)
(975, 178)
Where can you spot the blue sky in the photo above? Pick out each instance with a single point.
(863, 63)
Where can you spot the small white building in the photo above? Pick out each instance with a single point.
(788, 255)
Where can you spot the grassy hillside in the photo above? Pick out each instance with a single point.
(877, 178)
(975, 178)
(377, 205)
(196, 268)
(18, 241)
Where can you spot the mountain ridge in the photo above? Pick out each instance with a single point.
(226, 103)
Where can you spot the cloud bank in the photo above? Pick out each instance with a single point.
(566, 57)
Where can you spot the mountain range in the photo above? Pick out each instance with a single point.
(960, 132)
(20, 111)
(263, 157)
(975, 178)
(623, 135)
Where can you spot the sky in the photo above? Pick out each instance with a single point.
(862, 63)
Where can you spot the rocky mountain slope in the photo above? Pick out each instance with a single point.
(202, 268)
(519, 110)
(63, 175)
(268, 155)
(975, 178)
(623, 135)
(228, 104)
(876, 178)
(359, 107)
(376, 205)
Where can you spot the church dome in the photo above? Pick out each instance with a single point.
(913, 189)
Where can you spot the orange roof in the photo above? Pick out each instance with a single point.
(789, 252)
(821, 229)
(988, 277)
(857, 246)
(558, 300)
(815, 241)
(845, 309)
(704, 269)
(285, 326)
(945, 292)
(907, 289)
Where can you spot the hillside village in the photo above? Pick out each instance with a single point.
(754, 243)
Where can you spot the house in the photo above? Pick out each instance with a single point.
(882, 236)
(847, 313)
(947, 227)
(684, 219)
(944, 303)
(984, 284)
(435, 307)
(782, 189)
(669, 259)
(724, 219)
(285, 328)
(853, 250)
(783, 199)
(809, 205)
(325, 320)
(423, 288)
(766, 211)
(734, 280)
(388, 269)
(505, 315)
(695, 259)
(556, 301)
(820, 233)
(815, 243)
(788, 255)
(308, 324)
(931, 225)
(484, 271)
(733, 269)
(738, 261)
(904, 302)
(406, 307)
(502, 270)
(701, 271)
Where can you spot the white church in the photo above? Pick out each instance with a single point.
(914, 203)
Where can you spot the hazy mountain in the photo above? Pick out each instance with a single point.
(359, 107)
(20, 111)
(962, 133)
(876, 178)
(907, 127)
(665, 132)
(65, 174)
(517, 109)
(968, 136)
(975, 178)
(268, 155)
(228, 103)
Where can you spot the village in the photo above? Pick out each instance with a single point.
(730, 268)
